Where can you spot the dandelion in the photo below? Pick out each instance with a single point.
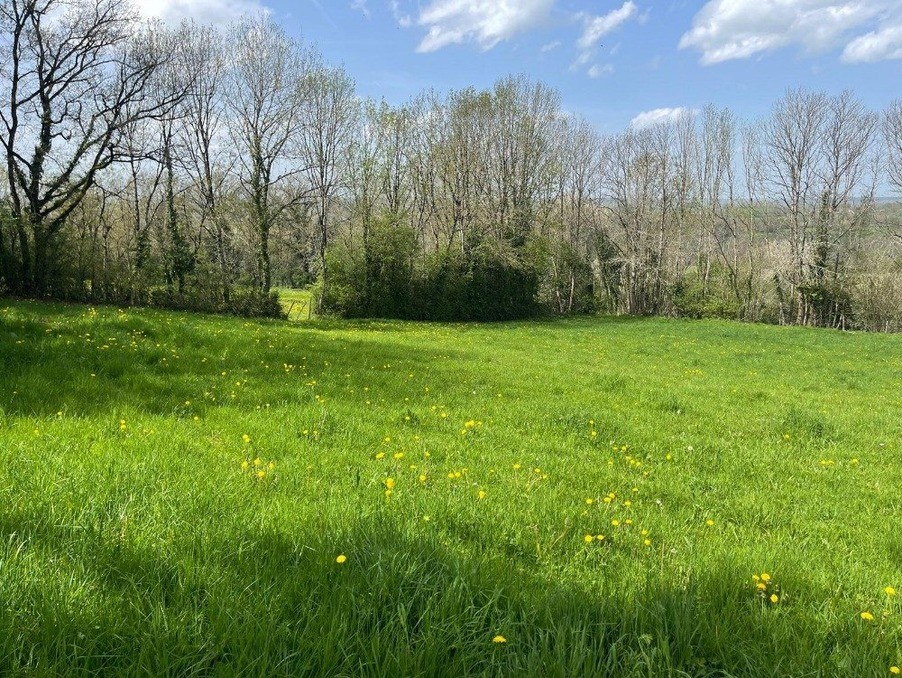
(588, 538)
(261, 474)
(422, 477)
(399, 455)
(390, 483)
(245, 465)
(341, 559)
(615, 523)
(590, 501)
(481, 495)
(647, 542)
(258, 462)
(895, 670)
(774, 598)
(499, 639)
(246, 438)
(380, 455)
(890, 591)
(599, 537)
(709, 522)
(867, 616)
(765, 577)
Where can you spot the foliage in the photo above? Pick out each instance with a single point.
(137, 535)
(389, 277)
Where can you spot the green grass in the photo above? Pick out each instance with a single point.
(132, 541)
(298, 304)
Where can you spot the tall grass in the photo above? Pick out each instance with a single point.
(175, 491)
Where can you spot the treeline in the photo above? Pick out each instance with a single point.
(197, 168)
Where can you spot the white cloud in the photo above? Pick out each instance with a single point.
(204, 11)
(737, 29)
(485, 22)
(596, 27)
(404, 20)
(360, 6)
(658, 116)
(551, 46)
(597, 71)
(884, 43)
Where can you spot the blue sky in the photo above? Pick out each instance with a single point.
(613, 61)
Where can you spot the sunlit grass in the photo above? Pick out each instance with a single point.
(185, 494)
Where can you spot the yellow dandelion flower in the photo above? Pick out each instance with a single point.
(761, 586)
(867, 616)
(765, 577)
(261, 474)
(341, 559)
(615, 523)
(244, 465)
(246, 438)
(390, 483)
(590, 501)
(599, 537)
(890, 591)
(422, 477)
(258, 462)
(709, 522)
(774, 598)
(895, 670)
(647, 542)
(399, 455)
(588, 538)
(481, 494)
(516, 467)
(499, 639)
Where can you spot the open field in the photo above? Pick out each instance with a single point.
(176, 492)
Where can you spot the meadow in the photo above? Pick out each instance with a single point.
(197, 495)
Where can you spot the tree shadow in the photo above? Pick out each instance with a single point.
(58, 358)
(275, 602)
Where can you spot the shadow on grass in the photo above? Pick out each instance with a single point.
(269, 602)
(152, 361)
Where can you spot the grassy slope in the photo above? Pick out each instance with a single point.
(131, 539)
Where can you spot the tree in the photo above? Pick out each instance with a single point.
(75, 76)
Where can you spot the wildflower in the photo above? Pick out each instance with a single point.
(615, 523)
(590, 501)
(709, 522)
(244, 465)
(499, 639)
(765, 577)
(258, 462)
(380, 455)
(261, 474)
(774, 598)
(399, 455)
(895, 670)
(647, 542)
(867, 616)
(516, 467)
(341, 559)
(588, 538)
(422, 477)
(481, 494)
(599, 537)
(890, 591)
(246, 438)
(390, 483)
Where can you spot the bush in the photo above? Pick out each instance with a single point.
(389, 277)
(243, 303)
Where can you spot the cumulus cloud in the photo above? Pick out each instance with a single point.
(204, 11)
(404, 20)
(882, 44)
(657, 116)
(485, 22)
(737, 29)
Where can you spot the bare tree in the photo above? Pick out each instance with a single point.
(331, 113)
(75, 75)
(267, 105)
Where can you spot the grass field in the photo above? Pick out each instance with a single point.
(176, 493)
